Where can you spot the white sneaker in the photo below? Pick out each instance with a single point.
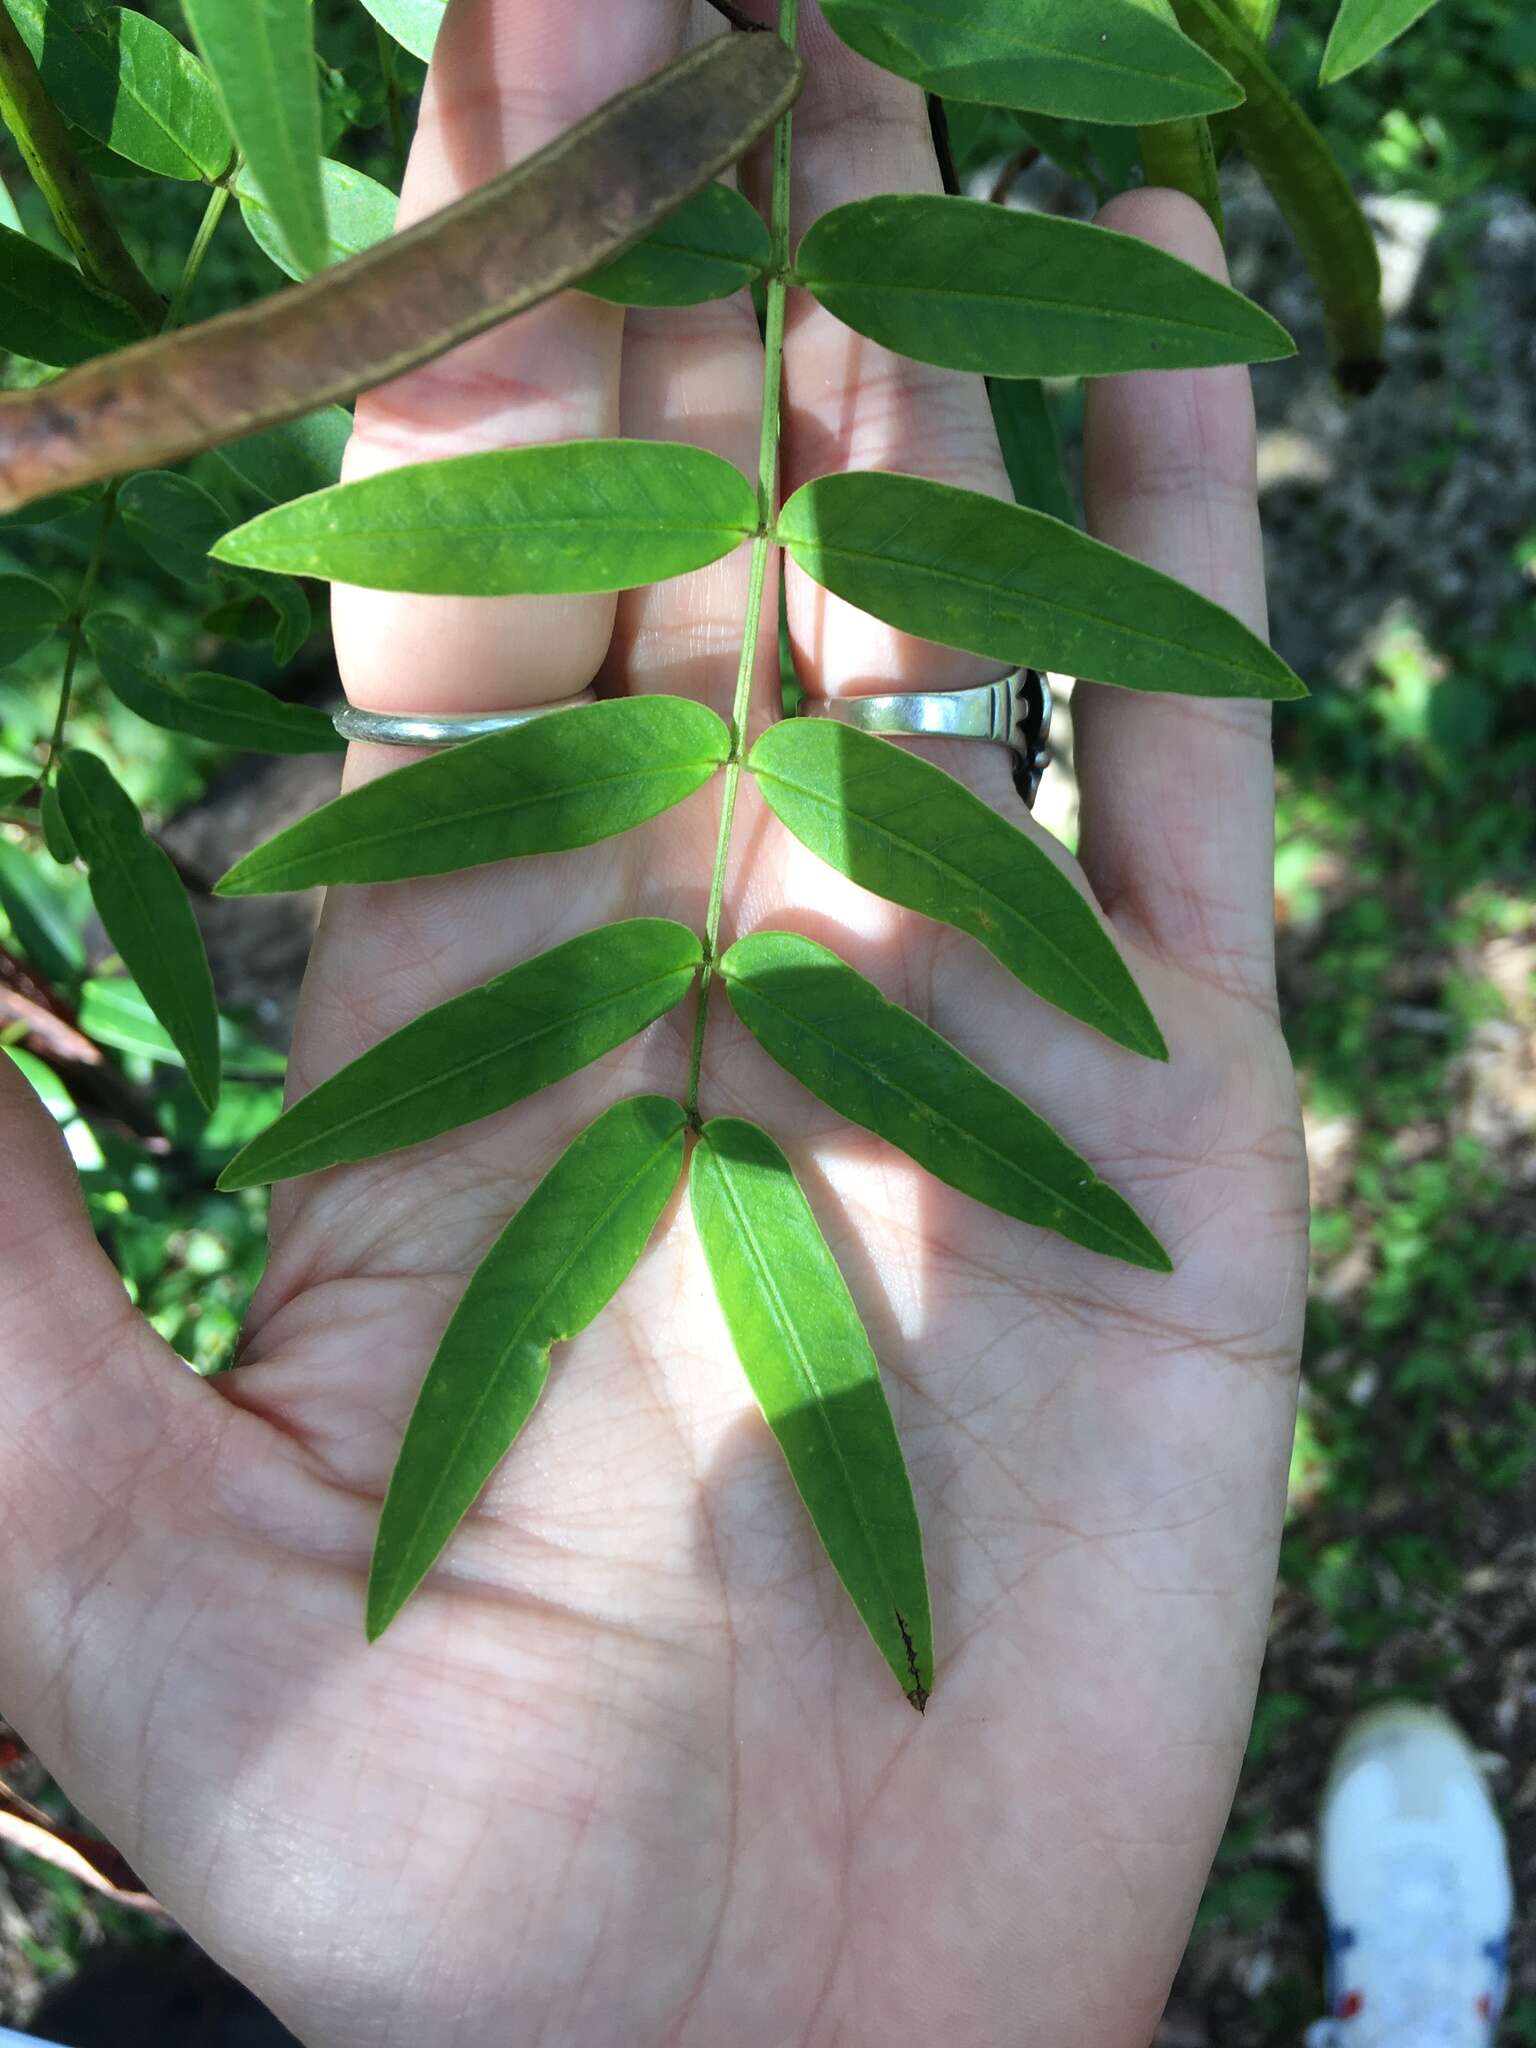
(1416, 1888)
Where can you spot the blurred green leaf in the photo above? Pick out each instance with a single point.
(1363, 28)
(175, 521)
(413, 23)
(47, 911)
(78, 1135)
(49, 312)
(129, 83)
(716, 243)
(960, 568)
(562, 781)
(359, 211)
(56, 833)
(222, 709)
(1031, 446)
(885, 1070)
(569, 516)
(561, 1259)
(904, 829)
(796, 1330)
(480, 1051)
(289, 461)
(13, 787)
(262, 56)
(1103, 60)
(116, 1012)
(30, 611)
(977, 287)
(140, 900)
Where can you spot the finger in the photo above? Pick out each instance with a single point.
(505, 79)
(1177, 793)
(851, 404)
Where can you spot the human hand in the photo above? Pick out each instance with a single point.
(627, 1770)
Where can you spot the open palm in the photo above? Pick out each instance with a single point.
(628, 1770)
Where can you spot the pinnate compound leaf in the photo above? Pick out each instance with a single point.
(140, 900)
(359, 211)
(1009, 294)
(960, 568)
(809, 1363)
(1362, 29)
(565, 780)
(49, 312)
(561, 1259)
(29, 611)
(904, 829)
(481, 1051)
(414, 24)
(1092, 60)
(885, 1070)
(567, 516)
(221, 709)
(506, 246)
(714, 245)
(262, 56)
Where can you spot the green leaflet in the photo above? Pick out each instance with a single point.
(1031, 446)
(49, 312)
(56, 834)
(29, 611)
(262, 56)
(175, 521)
(713, 245)
(483, 1050)
(413, 23)
(222, 709)
(114, 1012)
(883, 1069)
(978, 287)
(288, 461)
(961, 568)
(129, 83)
(359, 211)
(1310, 189)
(561, 1259)
(141, 902)
(13, 788)
(1098, 60)
(569, 516)
(899, 826)
(1361, 29)
(47, 911)
(808, 1361)
(567, 780)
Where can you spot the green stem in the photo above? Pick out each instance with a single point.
(1181, 156)
(213, 213)
(392, 93)
(63, 180)
(776, 292)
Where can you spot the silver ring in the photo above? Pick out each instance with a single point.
(1014, 712)
(415, 729)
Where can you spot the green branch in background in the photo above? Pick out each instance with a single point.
(64, 182)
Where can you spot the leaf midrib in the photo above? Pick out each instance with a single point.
(1054, 52)
(193, 1052)
(1026, 301)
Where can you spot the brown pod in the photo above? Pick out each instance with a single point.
(591, 194)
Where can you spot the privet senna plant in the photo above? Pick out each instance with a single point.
(116, 387)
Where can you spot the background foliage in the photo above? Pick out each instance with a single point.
(1408, 944)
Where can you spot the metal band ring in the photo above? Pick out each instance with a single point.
(417, 729)
(1014, 712)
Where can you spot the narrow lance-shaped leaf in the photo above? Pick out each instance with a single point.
(1310, 189)
(904, 829)
(567, 516)
(29, 611)
(56, 833)
(1007, 294)
(714, 245)
(885, 1070)
(47, 912)
(262, 56)
(961, 568)
(129, 83)
(561, 1259)
(140, 900)
(1362, 29)
(565, 780)
(359, 212)
(221, 709)
(809, 1363)
(1094, 60)
(414, 24)
(481, 1051)
(49, 312)
(586, 197)
(1031, 446)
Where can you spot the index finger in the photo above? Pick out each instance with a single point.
(1178, 792)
